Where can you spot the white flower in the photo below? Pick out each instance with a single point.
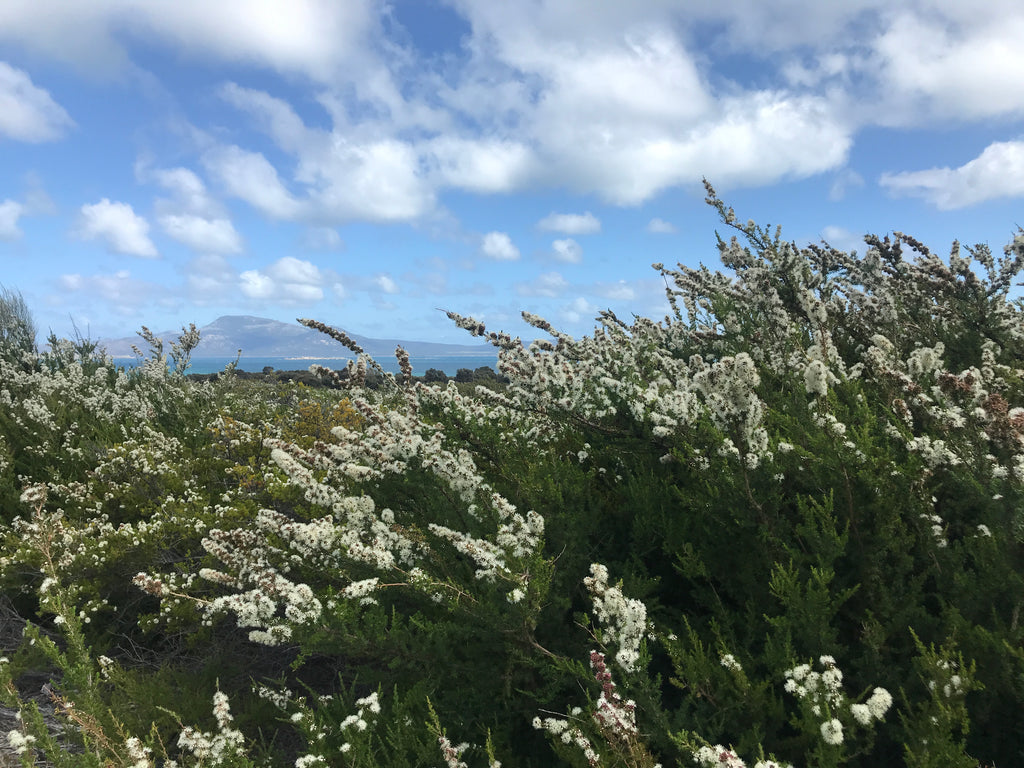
(861, 713)
(19, 742)
(729, 662)
(816, 378)
(832, 731)
(879, 703)
(34, 494)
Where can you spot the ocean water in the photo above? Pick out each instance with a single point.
(450, 365)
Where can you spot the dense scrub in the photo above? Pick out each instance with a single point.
(782, 526)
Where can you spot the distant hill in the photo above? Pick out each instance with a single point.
(262, 337)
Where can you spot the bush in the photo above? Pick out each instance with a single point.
(434, 375)
(17, 328)
(782, 526)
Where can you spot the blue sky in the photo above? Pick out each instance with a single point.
(368, 163)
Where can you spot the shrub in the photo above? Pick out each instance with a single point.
(783, 525)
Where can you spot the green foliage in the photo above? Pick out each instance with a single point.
(729, 534)
(17, 328)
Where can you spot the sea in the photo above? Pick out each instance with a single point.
(450, 364)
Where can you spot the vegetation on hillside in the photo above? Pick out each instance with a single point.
(782, 526)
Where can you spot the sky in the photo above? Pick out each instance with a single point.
(370, 163)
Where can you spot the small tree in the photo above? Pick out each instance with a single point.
(464, 375)
(484, 373)
(17, 328)
(434, 375)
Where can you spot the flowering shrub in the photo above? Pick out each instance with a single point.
(782, 526)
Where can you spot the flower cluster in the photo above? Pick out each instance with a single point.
(718, 756)
(624, 619)
(214, 748)
(822, 693)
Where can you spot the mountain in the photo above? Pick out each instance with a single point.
(262, 337)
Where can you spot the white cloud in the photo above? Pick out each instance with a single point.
(120, 291)
(287, 281)
(209, 278)
(190, 193)
(618, 108)
(578, 309)
(760, 138)
(571, 223)
(386, 284)
(249, 176)
(845, 180)
(27, 112)
(620, 101)
(118, 226)
(619, 291)
(479, 165)
(499, 246)
(550, 284)
(567, 250)
(373, 180)
(956, 61)
(660, 226)
(322, 239)
(314, 37)
(292, 270)
(348, 176)
(256, 285)
(842, 238)
(190, 216)
(10, 212)
(202, 235)
(997, 172)
(614, 104)
(275, 116)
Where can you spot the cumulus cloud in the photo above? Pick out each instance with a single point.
(249, 176)
(620, 291)
(567, 250)
(346, 175)
(191, 215)
(202, 235)
(842, 238)
(287, 281)
(10, 212)
(27, 112)
(549, 284)
(619, 109)
(613, 100)
(660, 226)
(209, 278)
(386, 284)
(117, 225)
(374, 180)
(571, 223)
(958, 62)
(478, 165)
(314, 38)
(997, 172)
(189, 191)
(123, 293)
(578, 309)
(499, 246)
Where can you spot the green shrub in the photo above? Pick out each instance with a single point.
(782, 526)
